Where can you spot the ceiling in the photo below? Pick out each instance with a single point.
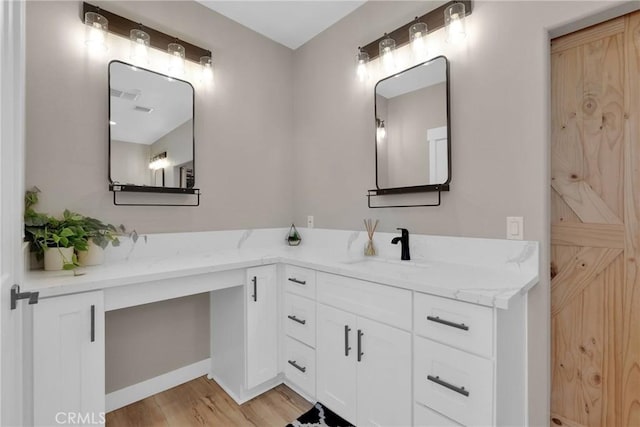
(134, 92)
(291, 23)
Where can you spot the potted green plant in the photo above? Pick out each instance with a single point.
(55, 241)
(293, 237)
(99, 236)
(88, 236)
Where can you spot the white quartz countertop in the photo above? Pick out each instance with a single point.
(489, 285)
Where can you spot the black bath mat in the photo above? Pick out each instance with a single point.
(320, 416)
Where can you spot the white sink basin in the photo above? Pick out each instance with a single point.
(392, 267)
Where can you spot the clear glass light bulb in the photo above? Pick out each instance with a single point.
(381, 132)
(454, 20)
(387, 47)
(362, 59)
(96, 32)
(418, 39)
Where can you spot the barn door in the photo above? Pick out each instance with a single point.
(595, 230)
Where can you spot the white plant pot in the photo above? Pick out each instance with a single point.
(94, 255)
(55, 258)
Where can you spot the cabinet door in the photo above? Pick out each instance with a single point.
(384, 375)
(262, 325)
(68, 360)
(336, 361)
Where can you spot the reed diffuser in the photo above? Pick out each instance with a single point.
(370, 226)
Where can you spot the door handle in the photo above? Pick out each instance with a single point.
(360, 353)
(255, 288)
(93, 323)
(293, 363)
(347, 329)
(445, 384)
(437, 319)
(295, 319)
(299, 282)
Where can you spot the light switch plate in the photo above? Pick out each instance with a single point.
(515, 228)
(310, 221)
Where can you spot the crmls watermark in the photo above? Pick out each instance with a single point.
(80, 418)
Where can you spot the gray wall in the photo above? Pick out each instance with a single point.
(177, 329)
(243, 129)
(132, 166)
(407, 119)
(500, 135)
(179, 148)
(243, 125)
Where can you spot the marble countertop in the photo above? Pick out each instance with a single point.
(489, 285)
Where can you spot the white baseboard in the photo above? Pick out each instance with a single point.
(133, 393)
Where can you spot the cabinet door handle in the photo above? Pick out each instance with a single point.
(360, 353)
(299, 282)
(255, 288)
(298, 367)
(438, 381)
(437, 319)
(93, 323)
(295, 319)
(347, 329)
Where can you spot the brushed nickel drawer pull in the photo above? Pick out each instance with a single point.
(298, 367)
(438, 381)
(437, 319)
(299, 282)
(295, 319)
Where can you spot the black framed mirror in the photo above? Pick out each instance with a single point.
(151, 131)
(413, 132)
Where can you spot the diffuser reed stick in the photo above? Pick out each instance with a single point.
(370, 226)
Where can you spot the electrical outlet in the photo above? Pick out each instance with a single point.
(310, 221)
(515, 227)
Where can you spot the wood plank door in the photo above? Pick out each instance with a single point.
(595, 211)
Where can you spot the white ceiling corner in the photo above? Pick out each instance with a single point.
(291, 23)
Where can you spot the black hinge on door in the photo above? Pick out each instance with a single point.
(16, 295)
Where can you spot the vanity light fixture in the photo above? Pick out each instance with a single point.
(454, 21)
(96, 27)
(176, 59)
(450, 15)
(387, 46)
(418, 40)
(362, 61)
(140, 42)
(159, 161)
(206, 71)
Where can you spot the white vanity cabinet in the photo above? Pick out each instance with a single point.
(261, 296)
(299, 327)
(68, 360)
(469, 362)
(364, 365)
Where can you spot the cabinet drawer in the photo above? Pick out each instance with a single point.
(300, 366)
(425, 417)
(300, 281)
(459, 324)
(383, 303)
(300, 318)
(459, 385)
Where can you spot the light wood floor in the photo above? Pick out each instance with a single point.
(203, 402)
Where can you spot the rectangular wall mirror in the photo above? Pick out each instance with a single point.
(413, 144)
(151, 138)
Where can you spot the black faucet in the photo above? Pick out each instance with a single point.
(404, 240)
